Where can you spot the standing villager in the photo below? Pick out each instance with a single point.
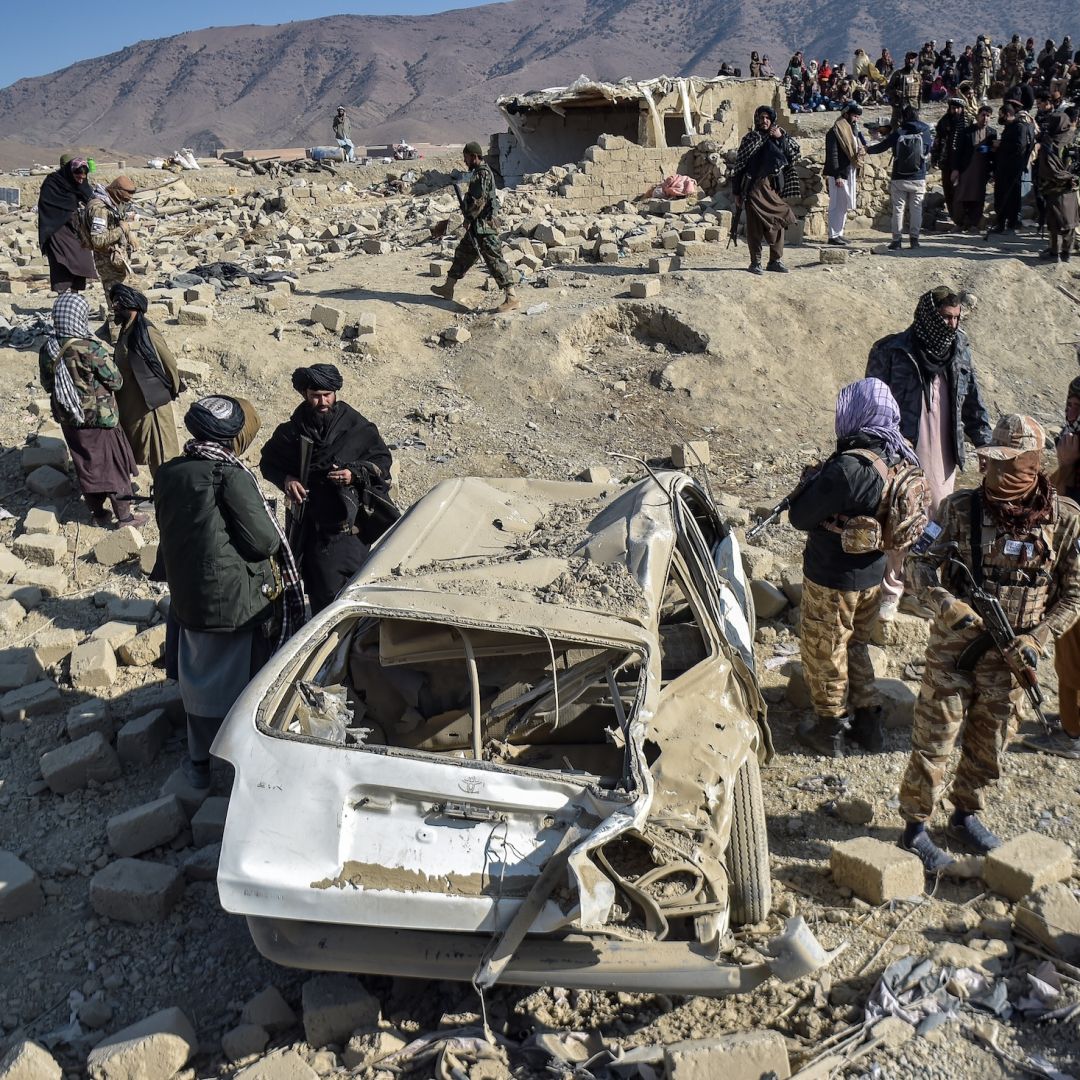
(1020, 542)
(481, 240)
(755, 65)
(1057, 184)
(947, 135)
(972, 170)
(1012, 154)
(911, 144)
(110, 231)
(62, 193)
(346, 486)
(842, 578)
(81, 381)
(343, 133)
(151, 381)
(762, 180)
(983, 68)
(236, 593)
(905, 89)
(845, 150)
(930, 370)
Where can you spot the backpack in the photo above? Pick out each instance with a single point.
(902, 515)
(908, 156)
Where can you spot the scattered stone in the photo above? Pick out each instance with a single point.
(190, 797)
(639, 290)
(891, 1030)
(875, 871)
(40, 549)
(118, 546)
(455, 335)
(28, 1061)
(905, 633)
(88, 718)
(855, 811)
(687, 455)
(208, 824)
(148, 555)
(366, 323)
(595, 474)
(48, 482)
(334, 319)
(201, 294)
(769, 601)
(41, 520)
(53, 645)
(27, 595)
(1026, 863)
(268, 1009)
(202, 864)
(20, 890)
(271, 303)
(11, 614)
(832, 256)
(94, 1013)
(791, 580)
(757, 561)
(10, 564)
(285, 1065)
(33, 700)
(134, 609)
(797, 691)
(334, 1007)
(50, 580)
(71, 767)
(743, 1055)
(897, 701)
(1052, 915)
(136, 890)
(194, 315)
(153, 1049)
(115, 633)
(18, 668)
(366, 1048)
(93, 666)
(143, 828)
(244, 1041)
(145, 648)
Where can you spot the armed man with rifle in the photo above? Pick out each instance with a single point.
(481, 240)
(1003, 579)
(339, 496)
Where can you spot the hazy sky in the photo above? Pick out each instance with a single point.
(43, 37)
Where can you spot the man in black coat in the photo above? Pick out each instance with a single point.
(844, 149)
(348, 481)
(946, 144)
(1012, 154)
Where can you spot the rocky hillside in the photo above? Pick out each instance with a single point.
(434, 78)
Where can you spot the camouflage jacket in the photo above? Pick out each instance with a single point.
(104, 224)
(480, 200)
(1035, 576)
(905, 87)
(95, 377)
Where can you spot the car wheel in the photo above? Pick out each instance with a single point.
(748, 849)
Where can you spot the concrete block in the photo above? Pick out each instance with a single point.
(93, 665)
(595, 474)
(366, 323)
(1026, 863)
(11, 614)
(148, 555)
(208, 824)
(549, 235)
(115, 633)
(50, 580)
(27, 595)
(376, 247)
(194, 315)
(607, 253)
(366, 1048)
(687, 455)
(41, 519)
(906, 633)
(743, 1055)
(145, 648)
(145, 827)
(269, 1010)
(271, 303)
(1051, 915)
(712, 234)
(201, 294)
(86, 719)
(39, 549)
(20, 889)
(32, 700)
(769, 601)
(202, 864)
(18, 668)
(46, 451)
(334, 1007)
(71, 767)
(875, 871)
(639, 290)
(796, 691)
(136, 890)
(281, 1065)
(438, 268)
(757, 561)
(191, 798)
(791, 580)
(140, 739)
(10, 564)
(28, 1061)
(660, 266)
(243, 1041)
(334, 319)
(129, 610)
(54, 644)
(455, 335)
(153, 1049)
(832, 256)
(897, 701)
(694, 249)
(118, 546)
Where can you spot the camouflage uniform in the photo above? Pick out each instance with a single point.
(481, 239)
(95, 378)
(1036, 578)
(109, 243)
(983, 68)
(905, 88)
(1012, 63)
(833, 637)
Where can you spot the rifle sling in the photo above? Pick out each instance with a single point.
(975, 651)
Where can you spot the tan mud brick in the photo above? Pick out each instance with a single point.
(281, 1065)
(145, 648)
(92, 716)
(907, 633)
(272, 303)
(743, 1055)
(687, 455)
(134, 610)
(757, 561)
(769, 601)
(200, 294)
(694, 249)
(140, 739)
(145, 827)
(115, 633)
(93, 666)
(118, 546)
(1026, 863)
(20, 889)
(51, 580)
(148, 555)
(191, 798)
(897, 701)
(455, 335)
(269, 1010)
(833, 256)
(136, 890)
(438, 269)
(194, 315)
(641, 289)
(10, 564)
(46, 451)
(40, 519)
(549, 235)
(712, 234)
(71, 767)
(607, 253)
(28, 1061)
(334, 1007)
(334, 319)
(39, 549)
(202, 863)
(153, 1049)
(243, 1041)
(875, 871)
(52, 645)
(366, 323)
(660, 266)
(18, 668)
(208, 824)
(1051, 915)
(48, 482)
(11, 614)
(32, 700)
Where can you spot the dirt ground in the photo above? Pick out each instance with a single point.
(580, 373)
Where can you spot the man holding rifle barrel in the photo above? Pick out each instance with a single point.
(1003, 579)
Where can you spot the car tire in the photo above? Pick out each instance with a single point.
(750, 893)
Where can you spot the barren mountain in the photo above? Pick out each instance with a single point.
(435, 77)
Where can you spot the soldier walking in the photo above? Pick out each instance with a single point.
(1018, 540)
(481, 240)
(110, 231)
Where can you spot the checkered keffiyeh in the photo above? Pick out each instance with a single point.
(292, 616)
(868, 406)
(70, 318)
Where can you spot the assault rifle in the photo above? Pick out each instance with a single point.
(736, 214)
(784, 504)
(468, 224)
(294, 515)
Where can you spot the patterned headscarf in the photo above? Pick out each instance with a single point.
(868, 407)
(931, 331)
(71, 321)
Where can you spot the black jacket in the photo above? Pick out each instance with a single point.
(1014, 151)
(837, 163)
(969, 143)
(892, 359)
(847, 485)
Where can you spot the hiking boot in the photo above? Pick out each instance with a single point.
(197, 773)
(868, 730)
(838, 241)
(895, 245)
(1057, 743)
(968, 831)
(510, 301)
(754, 268)
(776, 266)
(914, 242)
(824, 735)
(445, 290)
(932, 857)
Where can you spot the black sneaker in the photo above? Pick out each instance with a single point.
(824, 735)
(838, 241)
(895, 245)
(776, 266)
(932, 857)
(914, 242)
(972, 834)
(754, 268)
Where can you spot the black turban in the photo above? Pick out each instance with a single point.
(215, 419)
(140, 345)
(316, 377)
(765, 110)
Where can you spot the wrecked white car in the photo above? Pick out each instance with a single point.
(523, 745)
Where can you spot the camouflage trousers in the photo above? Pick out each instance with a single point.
(490, 250)
(110, 275)
(833, 639)
(983, 702)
